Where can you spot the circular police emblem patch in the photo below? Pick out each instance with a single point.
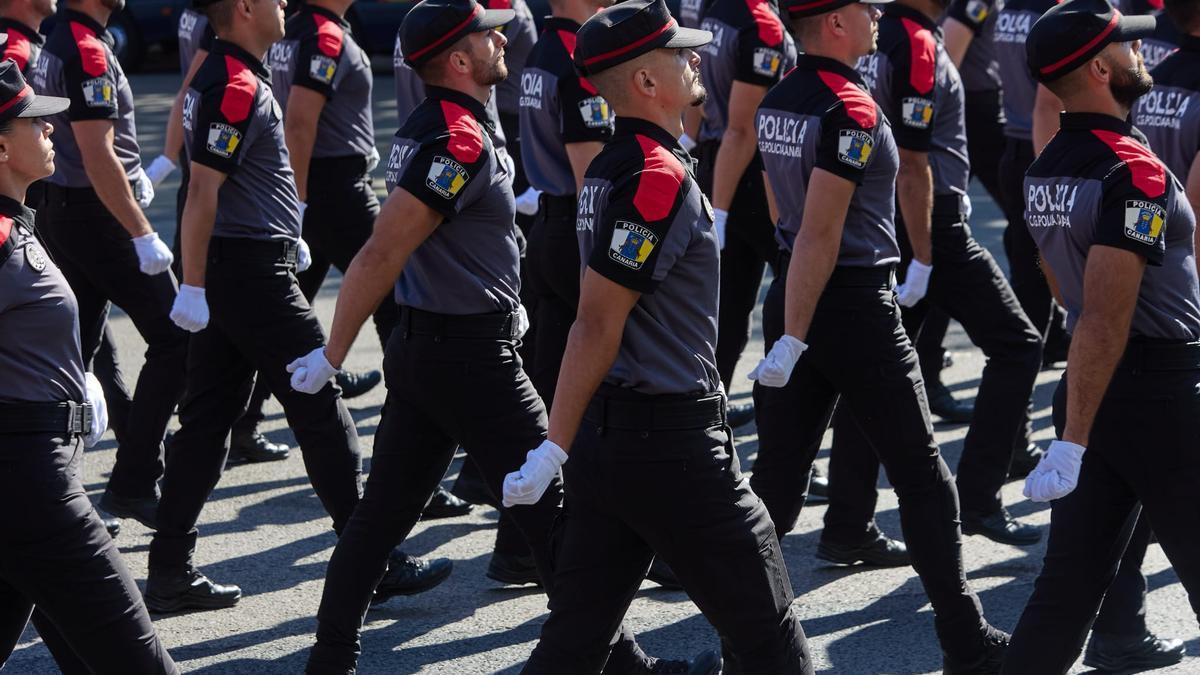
(35, 257)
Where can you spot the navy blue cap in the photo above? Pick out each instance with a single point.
(1069, 34)
(18, 100)
(629, 29)
(802, 8)
(433, 26)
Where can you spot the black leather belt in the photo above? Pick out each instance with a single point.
(58, 194)
(844, 276)
(253, 250)
(614, 408)
(66, 417)
(558, 206)
(493, 326)
(1145, 354)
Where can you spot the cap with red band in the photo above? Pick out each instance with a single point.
(18, 100)
(801, 8)
(629, 29)
(1069, 34)
(433, 26)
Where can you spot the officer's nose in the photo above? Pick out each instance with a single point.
(500, 39)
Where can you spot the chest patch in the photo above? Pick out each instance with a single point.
(854, 147)
(446, 177)
(1144, 220)
(631, 244)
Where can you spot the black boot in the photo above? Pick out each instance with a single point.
(513, 570)
(1109, 652)
(1000, 527)
(876, 548)
(943, 404)
(142, 509)
(168, 592)
(357, 384)
(987, 660)
(409, 575)
(445, 505)
(251, 446)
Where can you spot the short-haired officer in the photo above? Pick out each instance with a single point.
(446, 245)
(832, 321)
(241, 229)
(750, 52)
(640, 404)
(56, 555)
(1117, 233)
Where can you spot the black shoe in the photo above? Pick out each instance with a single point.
(357, 384)
(661, 574)
(706, 663)
(113, 526)
(876, 549)
(142, 509)
(445, 505)
(1024, 460)
(943, 404)
(473, 490)
(168, 592)
(251, 447)
(1001, 527)
(987, 661)
(818, 487)
(514, 570)
(409, 575)
(1110, 652)
(739, 415)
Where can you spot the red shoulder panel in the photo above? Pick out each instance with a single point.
(770, 28)
(238, 97)
(569, 40)
(18, 48)
(5, 228)
(660, 180)
(859, 104)
(91, 50)
(329, 35)
(922, 55)
(1149, 175)
(499, 4)
(466, 139)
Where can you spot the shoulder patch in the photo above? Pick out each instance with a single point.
(859, 104)
(770, 27)
(659, 182)
(238, 98)
(922, 55)
(446, 177)
(1148, 173)
(466, 138)
(91, 50)
(977, 11)
(1144, 220)
(631, 244)
(329, 35)
(18, 48)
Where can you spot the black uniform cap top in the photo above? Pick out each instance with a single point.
(433, 26)
(1069, 34)
(802, 8)
(17, 98)
(629, 29)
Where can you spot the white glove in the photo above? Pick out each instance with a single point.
(687, 142)
(1057, 473)
(153, 255)
(720, 217)
(144, 192)
(303, 208)
(967, 208)
(522, 321)
(527, 202)
(94, 394)
(373, 159)
(190, 311)
(776, 367)
(303, 256)
(916, 283)
(529, 483)
(159, 169)
(311, 372)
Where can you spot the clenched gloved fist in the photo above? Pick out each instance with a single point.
(311, 372)
(373, 159)
(153, 255)
(144, 191)
(529, 483)
(303, 256)
(527, 201)
(776, 367)
(159, 169)
(94, 394)
(522, 321)
(916, 283)
(1057, 474)
(720, 219)
(190, 311)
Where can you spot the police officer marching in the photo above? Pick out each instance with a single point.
(57, 556)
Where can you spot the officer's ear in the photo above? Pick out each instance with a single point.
(644, 80)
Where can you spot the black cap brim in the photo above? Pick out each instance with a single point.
(688, 38)
(494, 18)
(1130, 28)
(44, 106)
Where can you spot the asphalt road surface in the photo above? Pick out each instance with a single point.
(264, 529)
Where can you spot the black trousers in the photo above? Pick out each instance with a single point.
(58, 558)
(662, 478)
(1028, 282)
(553, 272)
(859, 352)
(749, 247)
(259, 322)
(98, 260)
(443, 391)
(1148, 457)
(967, 285)
(340, 218)
(107, 368)
(1123, 611)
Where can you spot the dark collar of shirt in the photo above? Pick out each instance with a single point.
(813, 62)
(630, 126)
(1189, 43)
(313, 9)
(477, 109)
(1090, 121)
(905, 12)
(80, 17)
(226, 48)
(34, 36)
(560, 23)
(17, 211)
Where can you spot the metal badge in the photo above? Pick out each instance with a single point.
(708, 209)
(35, 257)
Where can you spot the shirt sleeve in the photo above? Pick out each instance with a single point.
(911, 90)
(971, 13)
(91, 82)
(586, 116)
(758, 60)
(844, 147)
(223, 127)
(636, 242)
(1131, 220)
(442, 174)
(319, 58)
(206, 37)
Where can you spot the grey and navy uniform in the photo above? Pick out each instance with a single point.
(559, 107)
(750, 47)
(1169, 115)
(917, 86)
(90, 238)
(23, 44)
(195, 34)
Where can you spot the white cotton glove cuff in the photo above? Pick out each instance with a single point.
(303, 256)
(776, 367)
(720, 220)
(687, 142)
(190, 311)
(1057, 474)
(529, 483)
(159, 169)
(94, 394)
(527, 202)
(153, 255)
(916, 283)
